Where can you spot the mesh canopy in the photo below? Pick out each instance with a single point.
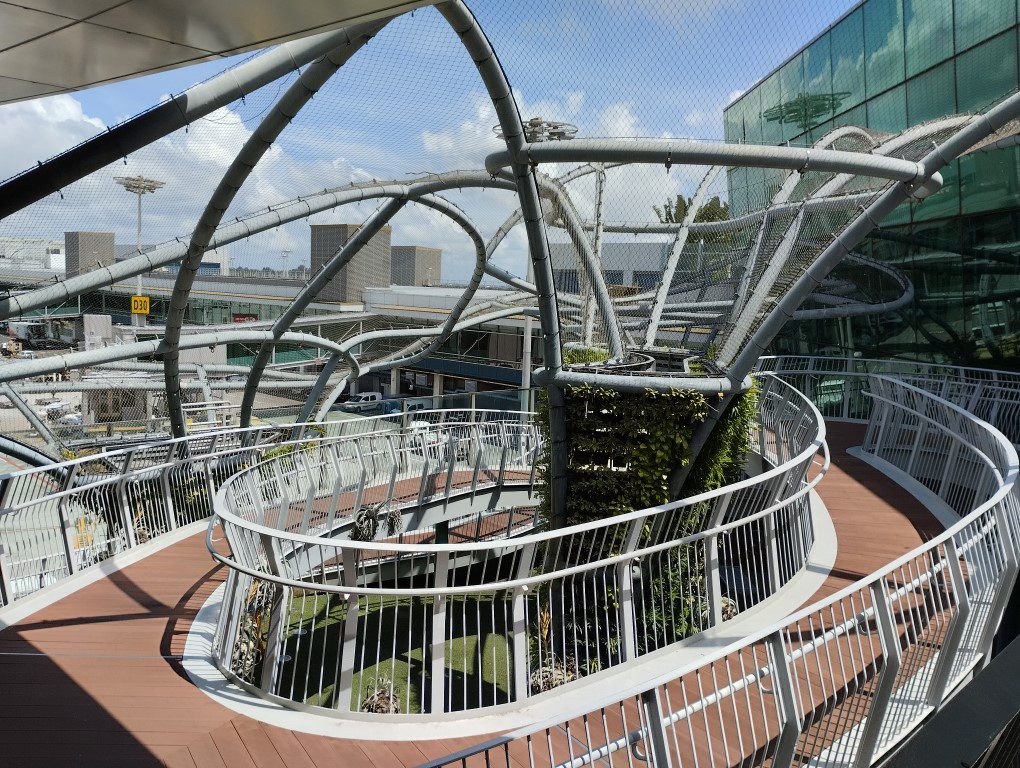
(644, 256)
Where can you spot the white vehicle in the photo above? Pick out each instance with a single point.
(26, 354)
(363, 402)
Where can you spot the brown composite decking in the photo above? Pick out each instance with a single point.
(95, 678)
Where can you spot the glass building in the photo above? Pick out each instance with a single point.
(887, 65)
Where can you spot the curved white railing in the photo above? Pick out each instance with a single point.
(989, 394)
(62, 518)
(841, 682)
(314, 620)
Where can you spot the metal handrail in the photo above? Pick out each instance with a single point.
(56, 520)
(862, 720)
(631, 550)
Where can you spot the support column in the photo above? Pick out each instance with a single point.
(478, 47)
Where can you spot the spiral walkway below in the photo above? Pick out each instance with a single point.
(95, 678)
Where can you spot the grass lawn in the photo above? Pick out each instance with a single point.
(394, 637)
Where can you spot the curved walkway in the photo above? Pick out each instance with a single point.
(95, 679)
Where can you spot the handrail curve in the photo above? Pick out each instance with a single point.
(653, 560)
(853, 674)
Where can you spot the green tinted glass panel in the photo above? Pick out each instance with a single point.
(900, 215)
(820, 130)
(752, 117)
(928, 26)
(883, 44)
(888, 112)
(945, 202)
(932, 94)
(733, 123)
(737, 185)
(771, 110)
(818, 103)
(977, 20)
(847, 40)
(990, 181)
(986, 74)
(855, 116)
(756, 189)
(796, 109)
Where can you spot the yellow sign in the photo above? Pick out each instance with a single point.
(139, 305)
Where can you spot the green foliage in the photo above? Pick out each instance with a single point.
(622, 447)
(715, 209)
(586, 355)
(721, 461)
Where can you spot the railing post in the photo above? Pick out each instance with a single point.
(210, 486)
(657, 747)
(6, 591)
(713, 582)
(871, 729)
(438, 649)
(772, 551)
(281, 483)
(950, 470)
(477, 440)
(451, 448)
(1005, 587)
(625, 579)
(5, 489)
(786, 699)
(125, 503)
(360, 498)
(424, 479)
(922, 430)
(521, 667)
(392, 488)
(277, 616)
(349, 652)
(168, 500)
(66, 527)
(951, 644)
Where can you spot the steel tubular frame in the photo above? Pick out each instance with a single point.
(311, 564)
(852, 675)
(247, 159)
(60, 518)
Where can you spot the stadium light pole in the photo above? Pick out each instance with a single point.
(138, 185)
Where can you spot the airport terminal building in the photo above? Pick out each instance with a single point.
(887, 65)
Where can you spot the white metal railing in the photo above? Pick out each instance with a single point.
(841, 682)
(988, 394)
(314, 620)
(59, 519)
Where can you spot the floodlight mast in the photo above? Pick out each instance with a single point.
(139, 185)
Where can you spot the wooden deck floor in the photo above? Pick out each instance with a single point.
(95, 679)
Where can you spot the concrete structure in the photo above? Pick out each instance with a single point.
(625, 263)
(415, 265)
(215, 261)
(84, 251)
(33, 253)
(370, 267)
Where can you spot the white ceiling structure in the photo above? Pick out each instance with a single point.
(56, 46)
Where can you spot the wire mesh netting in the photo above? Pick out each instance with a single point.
(690, 258)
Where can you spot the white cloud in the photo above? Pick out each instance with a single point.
(31, 131)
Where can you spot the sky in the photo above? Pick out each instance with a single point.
(411, 103)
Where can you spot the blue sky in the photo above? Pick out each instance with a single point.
(410, 102)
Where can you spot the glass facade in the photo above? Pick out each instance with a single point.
(888, 65)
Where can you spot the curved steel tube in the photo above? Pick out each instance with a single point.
(246, 160)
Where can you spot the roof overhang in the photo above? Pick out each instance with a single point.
(57, 46)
